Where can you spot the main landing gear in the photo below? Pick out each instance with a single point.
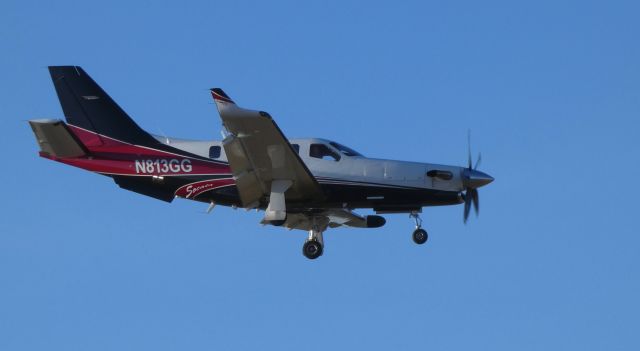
(420, 235)
(314, 246)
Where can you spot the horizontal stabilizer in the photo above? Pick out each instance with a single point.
(55, 139)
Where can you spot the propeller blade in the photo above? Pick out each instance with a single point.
(469, 147)
(471, 180)
(478, 161)
(475, 198)
(467, 206)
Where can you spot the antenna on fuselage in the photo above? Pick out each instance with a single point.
(166, 138)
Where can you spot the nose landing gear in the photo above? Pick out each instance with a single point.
(420, 235)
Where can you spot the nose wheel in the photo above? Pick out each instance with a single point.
(420, 236)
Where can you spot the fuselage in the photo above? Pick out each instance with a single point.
(199, 170)
(352, 180)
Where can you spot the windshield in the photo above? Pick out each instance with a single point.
(345, 150)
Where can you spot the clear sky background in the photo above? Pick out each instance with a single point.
(550, 90)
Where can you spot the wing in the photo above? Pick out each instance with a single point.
(263, 163)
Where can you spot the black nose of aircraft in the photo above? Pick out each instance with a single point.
(475, 179)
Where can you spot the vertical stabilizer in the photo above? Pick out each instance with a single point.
(87, 106)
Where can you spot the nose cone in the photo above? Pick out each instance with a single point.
(475, 179)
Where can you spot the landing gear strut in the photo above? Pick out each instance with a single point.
(420, 235)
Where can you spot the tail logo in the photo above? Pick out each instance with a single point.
(191, 190)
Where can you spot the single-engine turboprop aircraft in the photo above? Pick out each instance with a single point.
(306, 184)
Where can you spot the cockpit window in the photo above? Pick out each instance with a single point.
(323, 152)
(345, 150)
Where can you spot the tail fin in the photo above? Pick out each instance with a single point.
(87, 106)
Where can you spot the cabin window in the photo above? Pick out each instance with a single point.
(296, 148)
(345, 150)
(323, 152)
(214, 151)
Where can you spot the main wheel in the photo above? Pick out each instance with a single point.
(420, 236)
(312, 249)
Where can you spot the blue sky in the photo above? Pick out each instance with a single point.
(550, 90)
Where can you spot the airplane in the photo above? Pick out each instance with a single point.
(305, 184)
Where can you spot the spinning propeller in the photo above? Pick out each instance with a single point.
(472, 179)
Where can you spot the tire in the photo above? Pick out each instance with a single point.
(312, 249)
(420, 236)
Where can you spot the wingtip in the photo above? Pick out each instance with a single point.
(219, 95)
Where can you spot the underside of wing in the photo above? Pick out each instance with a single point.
(332, 218)
(263, 162)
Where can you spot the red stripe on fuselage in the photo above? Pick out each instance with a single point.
(111, 156)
